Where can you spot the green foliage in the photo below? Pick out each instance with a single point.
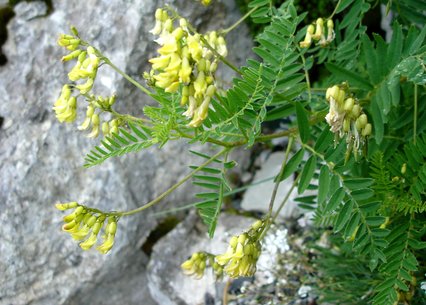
(215, 181)
(126, 141)
(263, 86)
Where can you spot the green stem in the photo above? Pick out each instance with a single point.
(261, 138)
(415, 115)
(335, 10)
(287, 196)
(308, 82)
(234, 191)
(174, 187)
(126, 76)
(226, 31)
(278, 179)
(274, 191)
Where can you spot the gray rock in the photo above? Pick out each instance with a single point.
(257, 197)
(41, 159)
(167, 283)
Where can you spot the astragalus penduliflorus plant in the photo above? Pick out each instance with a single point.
(357, 136)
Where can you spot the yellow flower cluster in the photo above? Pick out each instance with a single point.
(87, 63)
(65, 106)
(243, 251)
(346, 117)
(83, 221)
(85, 70)
(93, 119)
(197, 263)
(239, 260)
(316, 32)
(186, 61)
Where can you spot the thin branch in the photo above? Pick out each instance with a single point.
(171, 189)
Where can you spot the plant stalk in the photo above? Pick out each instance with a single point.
(175, 186)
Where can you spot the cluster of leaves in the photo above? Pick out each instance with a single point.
(376, 205)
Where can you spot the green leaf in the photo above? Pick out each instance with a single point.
(307, 174)
(375, 220)
(302, 123)
(362, 194)
(343, 5)
(378, 124)
(353, 78)
(292, 164)
(352, 225)
(335, 200)
(370, 207)
(117, 145)
(344, 215)
(324, 183)
(358, 183)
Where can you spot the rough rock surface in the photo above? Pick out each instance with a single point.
(41, 159)
(167, 283)
(258, 196)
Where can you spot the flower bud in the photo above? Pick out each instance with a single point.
(356, 110)
(361, 122)
(111, 100)
(239, 251)
(349, 103)
(319, 30)
(367, 130)
(73, 30)
(248, 249)
(111, 228)
(105, 128)
(210, 90)
(242, 238)
(332, 92)
(183, 23)
(404, 168)
(201, 65)
(233, 242)
(72, 55)
(346, 125)
(178, 33)
(158, 14)
(200, 85)
(66, 206)
(306, 43)
(257, 225)
(213, 67)
(330, 30)
(88, 243)
(79, 210)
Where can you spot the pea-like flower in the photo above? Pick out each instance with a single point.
(84, 224)
(346, 118)
(65, 106)
(196, 265)
(239, 260)
(316, 32)
(187, 63)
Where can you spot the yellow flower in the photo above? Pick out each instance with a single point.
(88, 243)
(65, 106)
(106, 246)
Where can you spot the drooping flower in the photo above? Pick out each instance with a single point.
(65, 106)
(185, 63)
